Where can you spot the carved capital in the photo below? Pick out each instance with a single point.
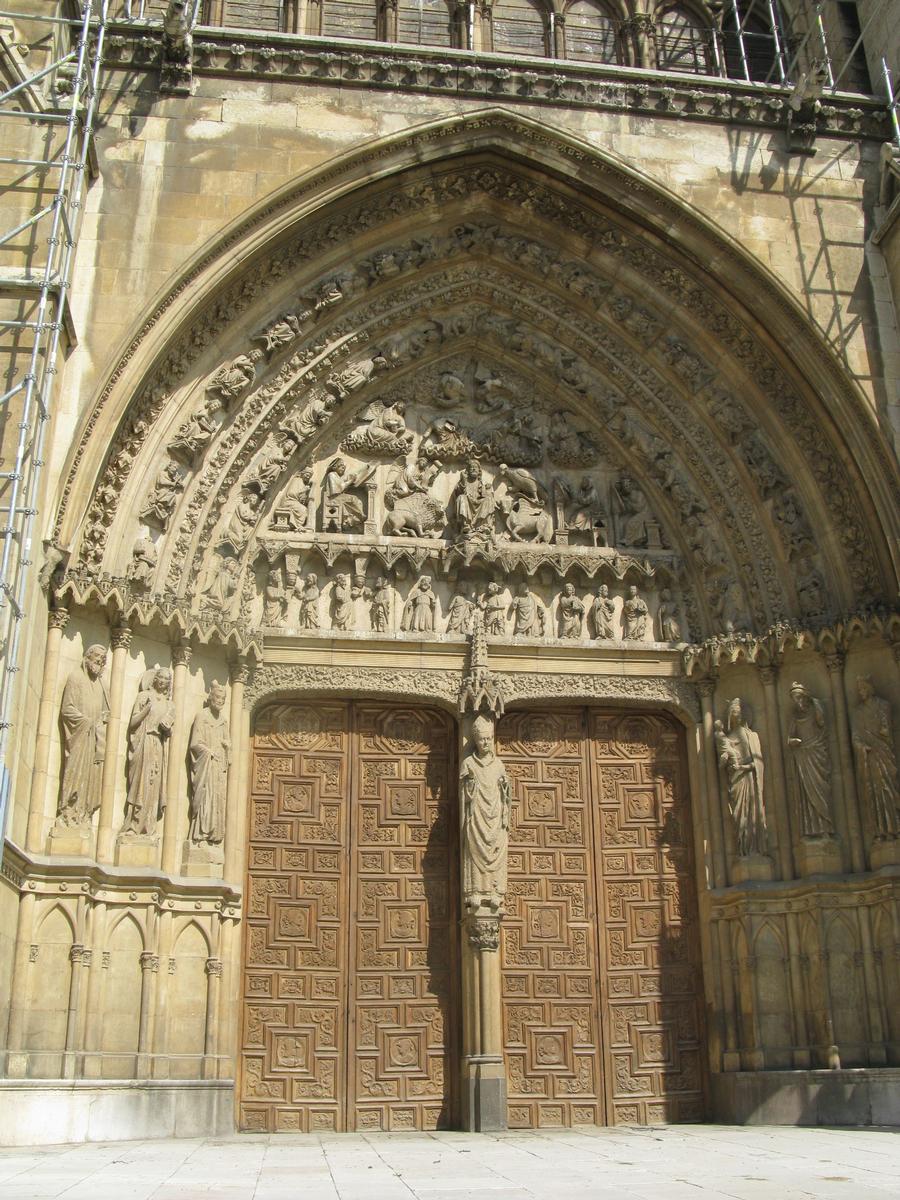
(834, 661)
(76, 953)
(484, 933)
(239, 671)
(706, 687)
(58, 618)
(32, 953)
(768, 675)
(149, 962)
(214, 967)
(87, 957)
(181, 654)
(120, 637)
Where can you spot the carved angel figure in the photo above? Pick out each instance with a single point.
(808, 743)
(603, 611)
(383, 432)
(634, 616)
(149, 730)
(83, 715)
(210, 751)
(486, 796)
(571, 613)
(740, 754)
(876, 759)
(222, 582)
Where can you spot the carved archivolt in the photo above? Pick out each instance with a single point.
(573, 311)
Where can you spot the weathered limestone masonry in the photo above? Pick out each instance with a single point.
(464, 690)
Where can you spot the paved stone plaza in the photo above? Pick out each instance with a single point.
(683, 1163)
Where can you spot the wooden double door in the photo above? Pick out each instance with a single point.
(601, 971)
(351, 977)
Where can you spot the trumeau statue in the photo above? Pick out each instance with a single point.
(635, 616)
(149, 730)
(740, 755)
(210, 751)
(876, 759)
(83, 715)
(486, 797)
(808, 744)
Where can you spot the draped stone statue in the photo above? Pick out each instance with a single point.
(494, 607)
(571, 613)
(528, 613)
(473, 504)
(419, 609)
(83, 715)
(603, 611)
(635, 615)
(876, 759)
(486, 796)
(210, 750)
(808, 744)
(308, 591)
(740, 754)
(149, 730)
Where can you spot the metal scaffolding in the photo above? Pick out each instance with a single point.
(57, 103)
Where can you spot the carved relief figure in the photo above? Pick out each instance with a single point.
(274, 597)
(567, 447)
(341, 509)
(411, 508)
(517, 441)
(161, 501)
(243, 519)
(274, 457)
(808, 743)
(740, 754)
(473, 505)
(380, 607)
(876, 759)
(419, 609)
(222, 582)
(585, 513)
(210, 751)
(523, 506)
(195, 434)
(634, 616)
(83, 715)
(571, 613)
(296, 509)
(494, 611)
(149, 730)
(308, 591)
(459, 614)
(444, 440)
(486, 796)
(667, 617)
(635, 516)
(528, 613)
(143, 562)
(603, 611)
(383, 432)
(342, 603)
(229, 381)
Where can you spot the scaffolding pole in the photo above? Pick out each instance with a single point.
(48, 281)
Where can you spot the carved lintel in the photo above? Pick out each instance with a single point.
(484, 933)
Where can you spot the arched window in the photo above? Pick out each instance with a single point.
(424, 22)
(754, 45)
(350, 19)
(590, 33)
(682, 42)
(520, 27)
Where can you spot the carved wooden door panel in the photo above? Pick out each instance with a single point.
(602, 990)
(350, 1010)
(652, 1006)
(548, 947)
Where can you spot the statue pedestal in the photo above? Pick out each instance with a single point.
(885, 852)
(203, 860)
(137, 850)
(75, 841)
(818, 856)
(754, 866)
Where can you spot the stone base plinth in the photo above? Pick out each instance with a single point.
(74, 841)
(203, 861)
(48, 1111)
(864, 1096)
(818, 856)
(754, 866)
(885, 853)
(484, 1093)
(137, 850)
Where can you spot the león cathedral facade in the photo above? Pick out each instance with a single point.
(453, 676)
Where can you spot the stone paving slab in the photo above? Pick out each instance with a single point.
(684, 1162)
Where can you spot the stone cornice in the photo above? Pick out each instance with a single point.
(242, 53)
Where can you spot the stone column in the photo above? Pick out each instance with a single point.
(731, 1054)
(76, 959)
(800, 1054)
(388, 15)
(175, 825)
(229, 1013)
(17, 1060)
(234, 834)
(559, 35)
(120, 640)
(57, 619)
(213, 986)
(846, 800)
(483, 33)
(780, 801)
(94, 1007)
(714, 814)
(149, 969)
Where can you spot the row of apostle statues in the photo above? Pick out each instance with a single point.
(808, 757)
(524, 614)
(84, 716)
